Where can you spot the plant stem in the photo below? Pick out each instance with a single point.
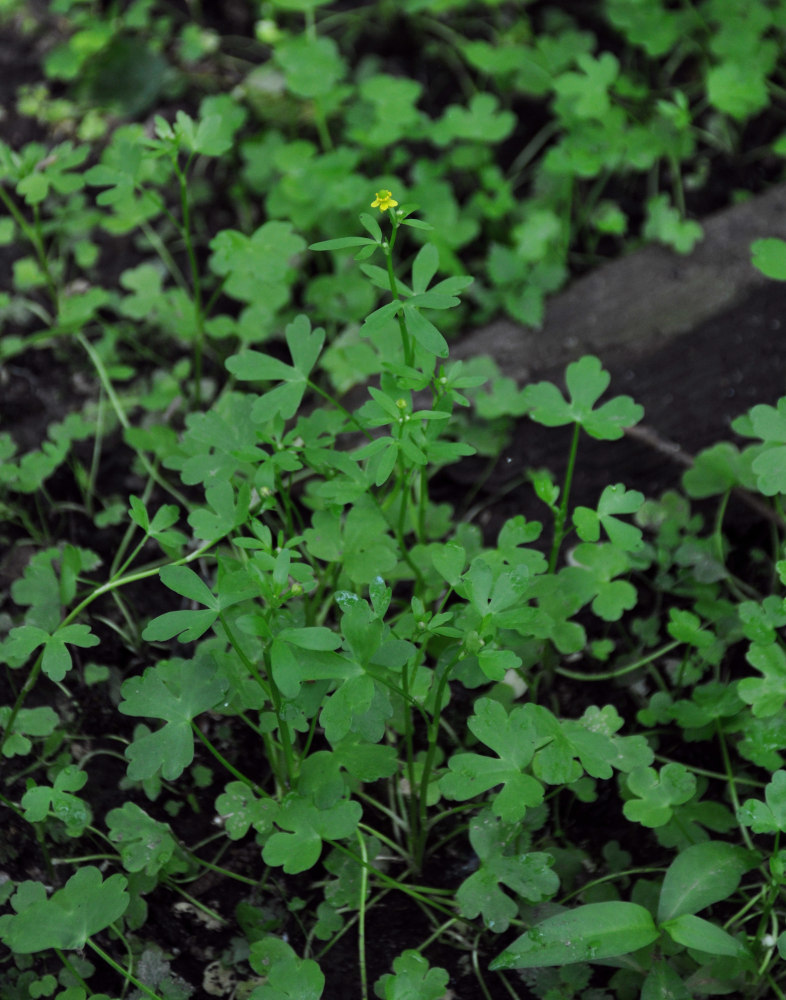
(196, 903)
(334, 402)
(66, 964)
(428, 764)
(438, 932)
(225, 763)
(562, 512)
(611, 674)
(410, 766)
(33, 234)
(121, 416)
(405, 338)
(418, 893)
(196, 282)
(225, 871)
(362, 917)
(731, 780)
(478, 974)
(119, 969)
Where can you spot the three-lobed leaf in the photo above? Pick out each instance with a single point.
(586, 380)
(767, 694)
(614, 500)
(768, 816)
(177, 691)
(658, 793)
(412, 979)
(56, 659)
(529, 875)
(71, 915)
(514, 738)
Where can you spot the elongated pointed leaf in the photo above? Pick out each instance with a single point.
(586, 934)
(253, 366)
(371, 225)
(341, 243)
(425, 333)
(424, 267)
(184, 581)
(701, 875)
(695, 932)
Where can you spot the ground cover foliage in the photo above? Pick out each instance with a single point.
(275, 721)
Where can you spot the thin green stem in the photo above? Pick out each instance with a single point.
(511, 992)
(391, 814)
(709, 774)
(84, 859)
(196, 282)
(409, 741)
(348, 925)
(334, 402)
(437, 933)
(478, 974)
(163, 252)
(274, 697)
(226, 764)
(95, 458)
(362, 892)
(121, 416)
(609, 878)
(69, 966)
(388, 249)
(732, 783)
(428, 765)
(530, 151)
(423, 894)
(33, 234)
(250, 667)
(780, 995)
(196, 903)
(737, 918)
(562, 512)
(8, 803)
(119, 565)
(119, 969)
(621, 671)
(254, 882)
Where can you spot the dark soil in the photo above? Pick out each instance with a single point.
(691, 388)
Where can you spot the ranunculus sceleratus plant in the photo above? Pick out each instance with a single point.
(372, 682)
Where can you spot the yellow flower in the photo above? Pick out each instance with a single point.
(384, 200)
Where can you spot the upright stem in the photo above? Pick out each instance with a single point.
(224, 762)
(562, 513)
(362, 917)
(410, 763)
(549, 650)
(402, 325)
(428, 764)
(33, 234)
(731, 781)
(272, 693)
(121, 416)
(123, 972)
(105, 588)
(196, 283)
